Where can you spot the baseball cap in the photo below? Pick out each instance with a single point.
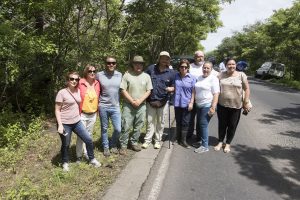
(164, 53)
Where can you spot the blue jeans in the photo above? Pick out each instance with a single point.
(203, 120)
(79, 129)
(114, 114)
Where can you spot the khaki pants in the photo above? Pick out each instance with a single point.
(132, 120)
(155, 123)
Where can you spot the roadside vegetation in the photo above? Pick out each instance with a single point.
(275, 39)
(33, 171)
(287, 82)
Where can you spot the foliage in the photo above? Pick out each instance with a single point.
(287, 82)
(26, 190)
(37, 173)
(16, 135)
(41, 40)
(277, 39)
(174, 26)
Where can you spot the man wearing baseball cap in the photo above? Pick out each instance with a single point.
(135, 87)
(162, 78)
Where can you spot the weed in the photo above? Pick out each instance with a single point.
(33, 171)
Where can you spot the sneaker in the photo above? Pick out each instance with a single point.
(136, 147)
(78, 160)
(157, 145)
(86, 156)
(145, 145)
(65, 167)
(123, 151)
(196, 144)
(106, 152)
(114, 150)
(201, 149)
(96, 163)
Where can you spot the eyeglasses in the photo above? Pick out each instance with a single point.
(73, 79)
(185, 67)
(92, 71)
(110, 63)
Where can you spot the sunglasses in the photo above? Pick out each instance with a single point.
(92, 71)
(73, 79)
(110, 63)
(185, 67)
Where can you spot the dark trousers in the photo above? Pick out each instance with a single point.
(192, 124)
(228, 120)
(182, 117)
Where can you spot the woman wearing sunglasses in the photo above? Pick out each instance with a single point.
(68, 119)
(89, 92)
(184, 100)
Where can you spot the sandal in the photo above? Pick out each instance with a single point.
(227, 148)
(218, 146)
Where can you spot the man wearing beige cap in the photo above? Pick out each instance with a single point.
(135, 87)
(162, 78)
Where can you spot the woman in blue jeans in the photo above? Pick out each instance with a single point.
(207, 91)
(68, 119)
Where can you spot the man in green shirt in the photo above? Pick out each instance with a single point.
(135, 87)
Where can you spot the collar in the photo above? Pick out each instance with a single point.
(156, 67)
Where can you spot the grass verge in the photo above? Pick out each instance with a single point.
(290, 83)
(36, 172)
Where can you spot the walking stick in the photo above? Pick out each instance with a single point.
(169, 121)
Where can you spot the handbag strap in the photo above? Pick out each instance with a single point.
(74, 99)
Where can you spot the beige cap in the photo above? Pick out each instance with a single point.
(164, 53)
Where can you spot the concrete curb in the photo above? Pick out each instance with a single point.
(130, 181)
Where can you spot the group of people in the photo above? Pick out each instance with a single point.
(198, 91)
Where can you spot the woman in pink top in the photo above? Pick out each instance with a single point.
(89, 92)
(68, 119)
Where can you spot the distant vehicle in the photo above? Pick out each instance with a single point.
(270, 69)
(241, 66)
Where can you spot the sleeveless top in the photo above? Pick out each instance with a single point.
(231, 90)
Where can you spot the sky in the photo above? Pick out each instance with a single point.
(241, 13)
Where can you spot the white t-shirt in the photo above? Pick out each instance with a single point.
(205, 88)
(214, 72)
(196, 70)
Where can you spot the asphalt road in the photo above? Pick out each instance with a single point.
(264, 163)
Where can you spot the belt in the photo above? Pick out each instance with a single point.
(89, 113)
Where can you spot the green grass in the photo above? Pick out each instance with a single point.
(35, 172)
(290, 83)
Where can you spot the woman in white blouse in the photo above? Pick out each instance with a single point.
(207, 91)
